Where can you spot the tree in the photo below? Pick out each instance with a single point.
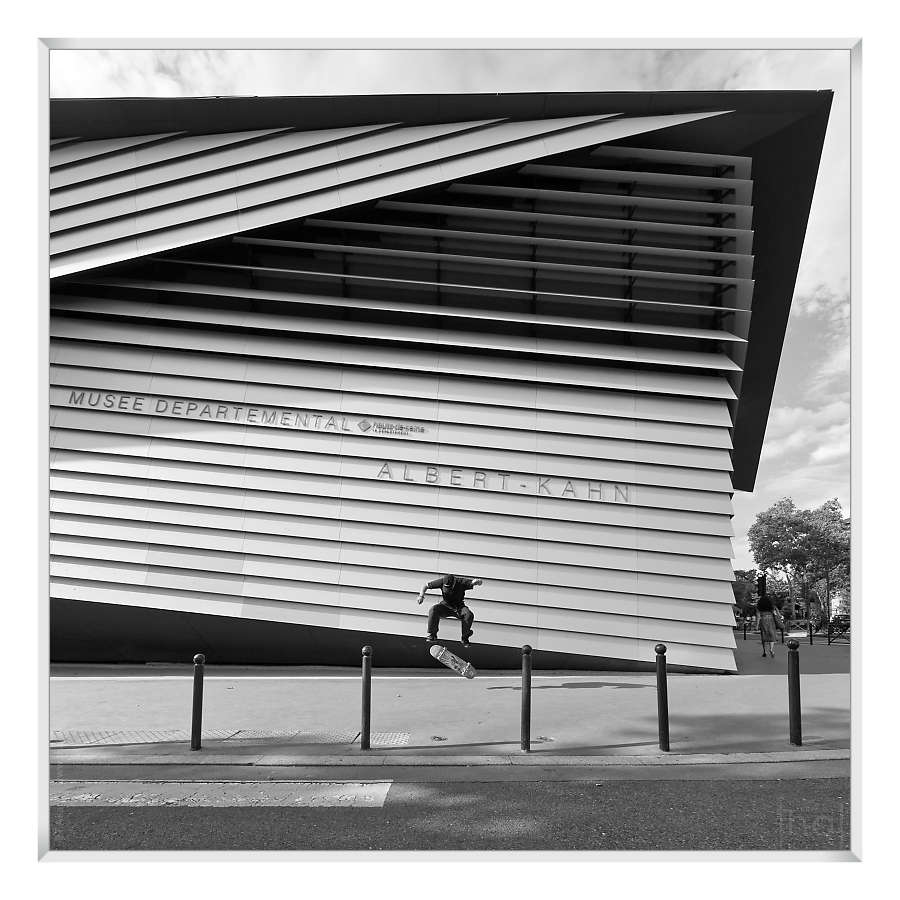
(809, 548)
(778, 541)
(744, 585)
(746, 594)
(828, 548)
(841, 585)
(779, 593)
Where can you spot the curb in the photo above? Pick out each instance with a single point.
(93, 757)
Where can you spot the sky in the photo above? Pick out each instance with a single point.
(806, 453)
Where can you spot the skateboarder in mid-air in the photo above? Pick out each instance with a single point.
(453, 603)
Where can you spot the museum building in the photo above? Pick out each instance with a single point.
(308, 353)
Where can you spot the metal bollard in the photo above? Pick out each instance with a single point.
(662, 697)
(809, 626)
(745, 629)
(526, 698)
(794, 692)
(197, 707)
(365, 735)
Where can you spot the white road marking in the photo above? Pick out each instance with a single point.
(219, 793)
(225, 677)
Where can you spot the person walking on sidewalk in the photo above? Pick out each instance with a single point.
(453, 603)
(766, 611)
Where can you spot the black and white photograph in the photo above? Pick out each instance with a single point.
(449, 450)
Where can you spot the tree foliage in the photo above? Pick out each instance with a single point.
(744, 586)
(809, 549)
(829, 550)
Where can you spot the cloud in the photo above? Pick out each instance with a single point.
(840, 449)
(802, 431)
(145, 73)
(788, 419)
(828, 300)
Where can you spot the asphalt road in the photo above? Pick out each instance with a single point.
(591, 814)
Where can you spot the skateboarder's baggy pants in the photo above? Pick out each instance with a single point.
(442, 611)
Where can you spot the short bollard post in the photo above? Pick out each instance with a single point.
(794, 692)
(662, 697)
(365, 732)
(197, 708)
(809, 626)
(745, 629)
(526, 698)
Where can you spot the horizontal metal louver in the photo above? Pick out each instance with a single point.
(328, 364)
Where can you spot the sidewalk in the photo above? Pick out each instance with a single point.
(294, 717)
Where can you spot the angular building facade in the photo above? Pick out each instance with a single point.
(306, 353)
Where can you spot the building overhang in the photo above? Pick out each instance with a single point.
(782, 131)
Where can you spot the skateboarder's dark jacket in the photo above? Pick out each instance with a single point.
(453, 590)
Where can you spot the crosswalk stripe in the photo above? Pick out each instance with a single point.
(219, 793)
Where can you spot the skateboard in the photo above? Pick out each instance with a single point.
(452, 661)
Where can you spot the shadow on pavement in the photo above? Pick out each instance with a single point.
(737, 732)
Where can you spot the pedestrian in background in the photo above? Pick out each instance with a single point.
(765, 610)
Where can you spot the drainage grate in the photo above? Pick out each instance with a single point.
(389, 738)
(104, 737)
(82, 736)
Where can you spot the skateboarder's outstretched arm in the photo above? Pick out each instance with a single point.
(428, 587)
